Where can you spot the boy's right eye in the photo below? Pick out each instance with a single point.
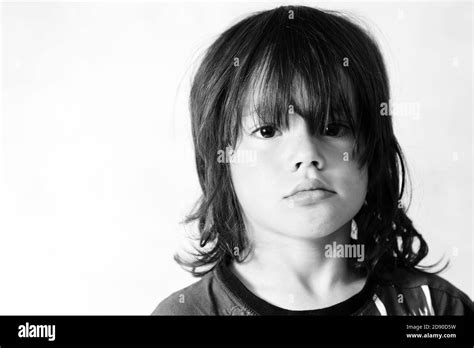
(266, 131)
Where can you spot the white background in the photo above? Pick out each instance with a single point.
(97, 165)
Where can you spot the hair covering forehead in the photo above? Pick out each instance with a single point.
(301, 96)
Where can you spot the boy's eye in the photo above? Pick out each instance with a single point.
(336, 130)
(266, 131)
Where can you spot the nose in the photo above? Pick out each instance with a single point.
(307, 153)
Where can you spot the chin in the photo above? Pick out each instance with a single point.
(308, 228)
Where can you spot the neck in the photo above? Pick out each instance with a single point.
(299, 265)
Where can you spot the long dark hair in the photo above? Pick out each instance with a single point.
(276, 53)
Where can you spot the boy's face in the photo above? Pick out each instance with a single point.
(268, 164)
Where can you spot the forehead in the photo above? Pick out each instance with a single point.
(299, 95)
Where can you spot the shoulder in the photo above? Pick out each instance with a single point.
(446, 298)
(191, 300)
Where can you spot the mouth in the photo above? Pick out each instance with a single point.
(308, 197)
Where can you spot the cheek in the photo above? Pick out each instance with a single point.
(258, 175)
(257, 184)
(353, 183)
(255, 180)
(343, 166)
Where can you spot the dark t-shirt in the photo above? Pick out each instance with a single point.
(346, 307)
(401, 292)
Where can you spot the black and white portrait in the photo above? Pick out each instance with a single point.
(223, 159)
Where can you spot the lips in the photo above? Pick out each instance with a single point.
(308, 197)
(309, 185)
(308, 192)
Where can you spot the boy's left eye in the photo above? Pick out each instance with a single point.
(336, 130)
